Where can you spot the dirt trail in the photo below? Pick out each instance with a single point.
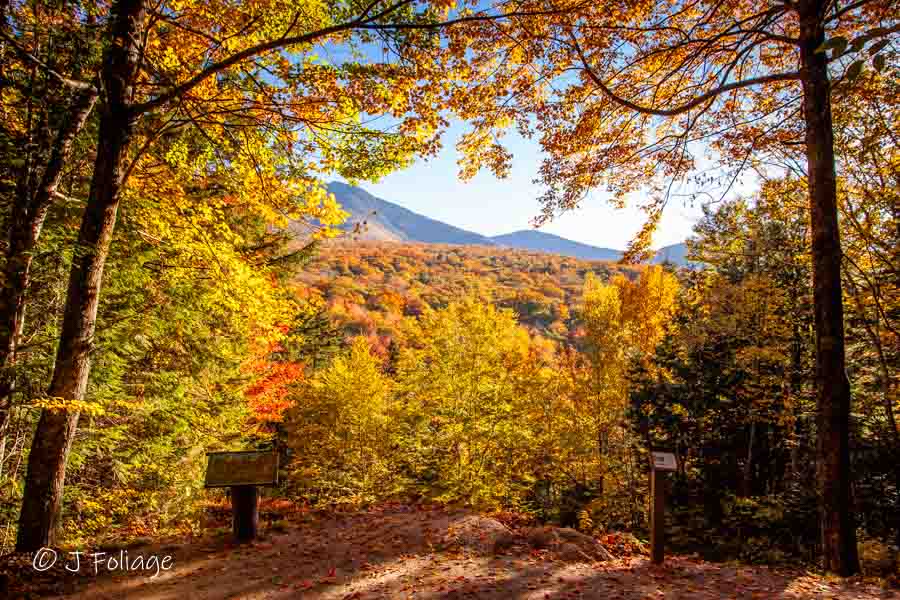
(400, 552)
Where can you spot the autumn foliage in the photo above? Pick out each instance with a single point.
(170, 282)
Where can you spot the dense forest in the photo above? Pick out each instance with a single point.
(368, 287)
(175, 279)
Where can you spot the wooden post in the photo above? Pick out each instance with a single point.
(657, 515)
(245, 512)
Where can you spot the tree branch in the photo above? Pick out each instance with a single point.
(360, 23)
(26, 55)
(693, 103)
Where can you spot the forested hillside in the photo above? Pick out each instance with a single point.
(369, 286)
(545, 242)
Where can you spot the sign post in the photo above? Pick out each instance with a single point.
(661, 464)
(243, 472)
(245, 512)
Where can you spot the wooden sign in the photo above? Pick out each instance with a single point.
(229, 469)
(664, 461)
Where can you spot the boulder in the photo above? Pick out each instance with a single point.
(567, 544)
(482, 535)
(541, 538)
(487, 536)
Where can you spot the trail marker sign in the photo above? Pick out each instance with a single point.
(243, 472)
(664, 461)
(251, 467)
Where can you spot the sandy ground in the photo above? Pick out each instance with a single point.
(398, 553)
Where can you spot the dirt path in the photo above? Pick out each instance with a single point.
(400, 553)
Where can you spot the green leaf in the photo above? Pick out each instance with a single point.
(854, 70)
(878, 62)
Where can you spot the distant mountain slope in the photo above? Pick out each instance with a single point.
(529, 239)
(380, 220)
(676, 254)
(385, 221)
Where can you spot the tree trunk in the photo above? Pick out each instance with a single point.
(53, 438)
(712, 487)
(833, 388)
(25, 223)
(747, 471)
(601, 452)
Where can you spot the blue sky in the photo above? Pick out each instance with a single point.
(492, 206)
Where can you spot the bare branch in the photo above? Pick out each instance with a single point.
(693, 103)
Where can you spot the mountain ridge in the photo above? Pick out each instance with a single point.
(531, 239)
(376, 219)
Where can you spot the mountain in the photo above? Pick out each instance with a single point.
(529, 239)
(676, 254)
(376, 219)
(380, 220)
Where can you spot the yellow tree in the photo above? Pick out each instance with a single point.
(870, 207)
(340, 429)
(623, 322)
(462, 380)
(647, 307)
(605, 385)
(866, 137)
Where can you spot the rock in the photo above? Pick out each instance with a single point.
(505, 541)
(482, 535)
(573, 535)
(567, 544)
(487, 536)
(567, 552)
(541, 537)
